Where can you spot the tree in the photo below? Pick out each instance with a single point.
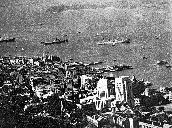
(54, 105)
(145, 101)
(154, 100)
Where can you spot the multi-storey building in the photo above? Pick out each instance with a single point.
(136, 101)
(102, 89)
(146, 92)
(162, 89)
(102, 94)
(170, 96)
(84, 81)
(123, 90)
(119, 89)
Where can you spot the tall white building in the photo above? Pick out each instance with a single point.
(102, 89)
(123, 90)
(102, 94)
(170, 96)
(146, 92)
(84, 79)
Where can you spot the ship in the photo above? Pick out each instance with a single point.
(7, 39)
(113, 42)
(56, 41)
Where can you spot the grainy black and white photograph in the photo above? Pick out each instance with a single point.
(85, 63)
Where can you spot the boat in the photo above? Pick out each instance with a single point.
(7, 40)
(107, 42)
(112, 42)
(56, 41)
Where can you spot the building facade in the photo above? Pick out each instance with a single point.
(123, 90)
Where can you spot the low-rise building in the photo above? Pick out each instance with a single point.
(162, 89)
(146, 92)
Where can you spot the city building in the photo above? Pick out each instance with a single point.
(123, 90)
(136, 101)
(84, 81)
(146, 92)
(162, 89)
(102, 94)
(170, 96)
(102, 89)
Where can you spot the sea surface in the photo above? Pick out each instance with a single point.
(146, 23)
